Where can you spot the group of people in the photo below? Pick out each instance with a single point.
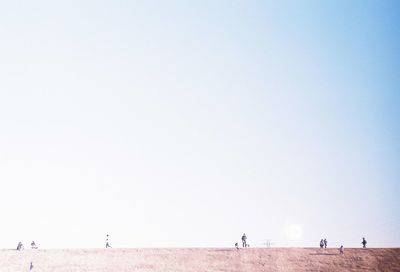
(324, 243)
(21, 246)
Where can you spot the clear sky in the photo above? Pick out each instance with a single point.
(187, 123)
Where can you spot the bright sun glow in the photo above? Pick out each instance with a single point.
(293, 232)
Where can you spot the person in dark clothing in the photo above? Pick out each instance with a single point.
(33, 245)
(107, 242)
(321, 243)
(341, 249)
(244, 239)
(237, 245)
(20, 246)
(325, 242)
(364, 242)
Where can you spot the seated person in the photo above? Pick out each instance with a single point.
(33, 245)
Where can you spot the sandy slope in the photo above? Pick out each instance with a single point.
(196, 260)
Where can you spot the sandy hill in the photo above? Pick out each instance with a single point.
(199, 260)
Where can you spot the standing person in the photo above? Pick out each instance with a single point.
(244, 239)
(325, 242)
(107, 242)
(341, 249)
(20, 246)
(364, 242)
(321, 243)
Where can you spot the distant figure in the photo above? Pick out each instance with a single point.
(33, 245)
(244, 238)
(364, 243)
(325, 243)
(20, 246)
(341, 249)
(237, 245)
(321, 243)
(107, 242)
(31, 267)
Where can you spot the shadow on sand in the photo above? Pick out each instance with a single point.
(228, 249)
(333, 254)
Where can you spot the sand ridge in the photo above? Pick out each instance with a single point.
(200, 259)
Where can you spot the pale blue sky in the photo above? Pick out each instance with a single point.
(187, 123)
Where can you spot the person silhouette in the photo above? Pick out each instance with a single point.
(364, 242)
(20, 246)
(31, 266)
(341, 249)
(107, 242)
(33, 245)
(237, 245)
(321, 243)
(244, 239)
(325, 242)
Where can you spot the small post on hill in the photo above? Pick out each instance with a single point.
(267, 243)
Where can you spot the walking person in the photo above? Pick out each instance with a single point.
(364, 242)
(20, 246)
(107, 242)
(325, 242)
(244, 239)
(341, 249)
